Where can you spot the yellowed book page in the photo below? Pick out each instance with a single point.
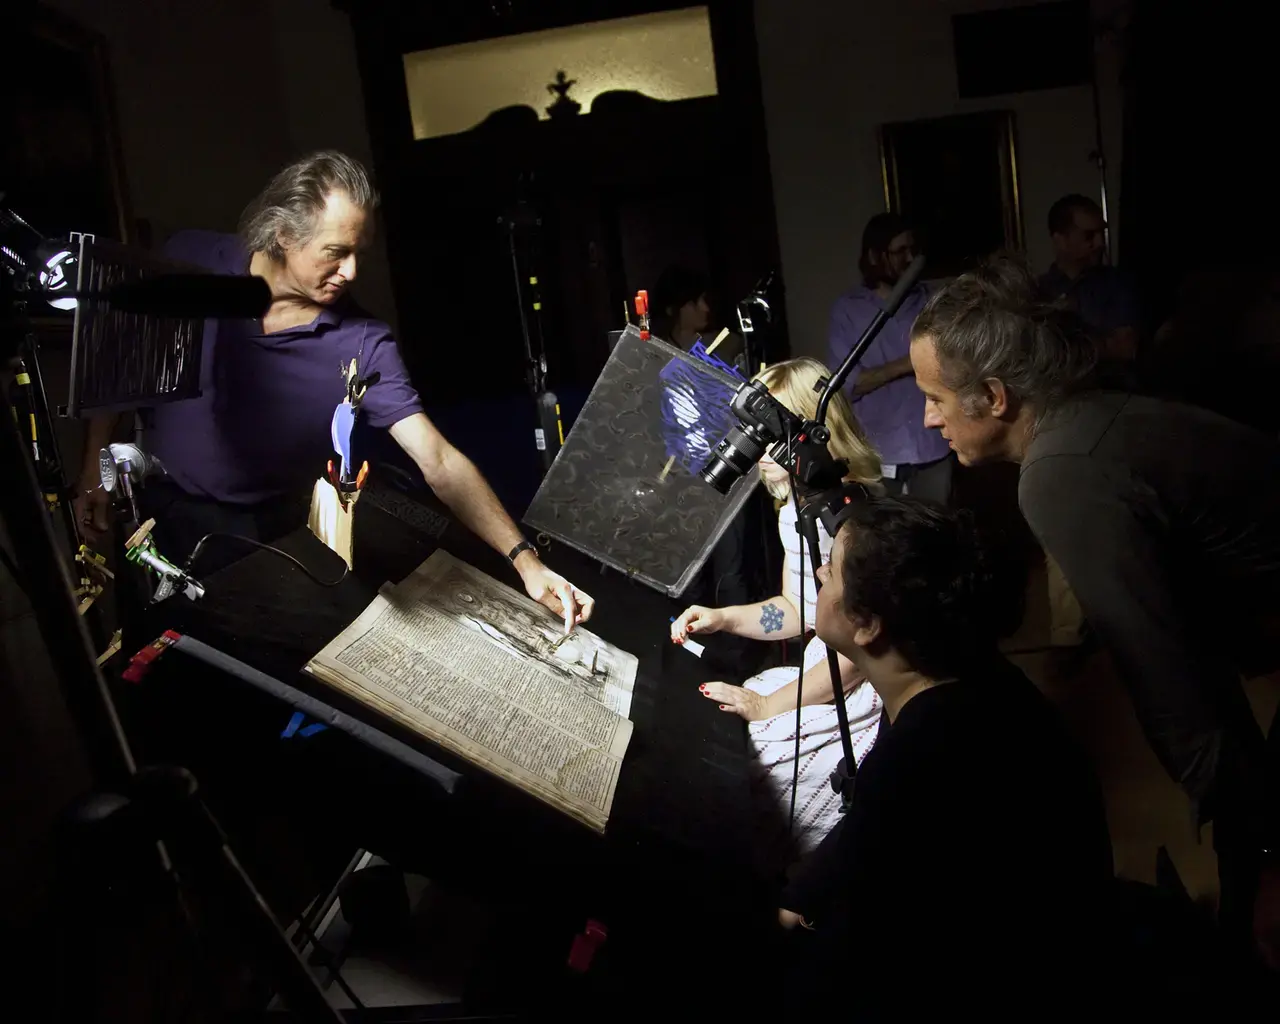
(412, 659)
(518, 625)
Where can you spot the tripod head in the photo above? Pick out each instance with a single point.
(800, 446)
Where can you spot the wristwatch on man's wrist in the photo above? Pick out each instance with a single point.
(516, 551)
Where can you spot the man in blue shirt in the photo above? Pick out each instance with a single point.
(1082, 279)
(242, 457)
(882, 387)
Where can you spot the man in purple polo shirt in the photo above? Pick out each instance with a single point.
(882, 387)
(243, 456)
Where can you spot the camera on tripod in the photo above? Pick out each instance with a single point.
(766, 425)
(818, 486)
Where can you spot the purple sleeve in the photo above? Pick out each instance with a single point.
(841, 338)
(393, 397)
(845, 330)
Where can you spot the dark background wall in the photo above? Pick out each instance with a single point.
(793, 184)
(213, 98)
(1199, 139)
(833, 72)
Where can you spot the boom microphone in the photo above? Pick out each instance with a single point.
(236, 296)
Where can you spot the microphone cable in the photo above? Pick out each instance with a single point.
(203, 542)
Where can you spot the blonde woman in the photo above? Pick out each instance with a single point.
(768, 701)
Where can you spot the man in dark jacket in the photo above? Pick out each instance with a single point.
(1165, 520)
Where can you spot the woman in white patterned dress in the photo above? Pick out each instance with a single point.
(768, 701)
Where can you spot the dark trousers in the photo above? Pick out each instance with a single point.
(929, 480)
(183, 519)
(1246, 820)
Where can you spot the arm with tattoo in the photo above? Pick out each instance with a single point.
(774, 619)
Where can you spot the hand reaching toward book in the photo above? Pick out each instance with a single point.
(555, 592)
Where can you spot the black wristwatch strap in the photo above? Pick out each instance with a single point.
(524, 545)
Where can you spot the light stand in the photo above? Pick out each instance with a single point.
(759, 316)
(153, 807)
(32, 406)
(34, 270)
(549, 434)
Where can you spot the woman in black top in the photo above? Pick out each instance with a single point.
(972, 862)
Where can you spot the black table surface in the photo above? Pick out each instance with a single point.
(682, 801)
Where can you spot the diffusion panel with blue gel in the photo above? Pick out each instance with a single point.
(606, 493)
(695, 406)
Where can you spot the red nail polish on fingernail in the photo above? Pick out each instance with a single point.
(724, 707)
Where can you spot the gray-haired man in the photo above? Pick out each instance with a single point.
(1165, 520)
(240, 455)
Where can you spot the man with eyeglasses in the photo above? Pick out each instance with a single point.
(882, 386)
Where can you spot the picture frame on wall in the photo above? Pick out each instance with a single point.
(60, 156)
(956, 180)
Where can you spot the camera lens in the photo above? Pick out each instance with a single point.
(734, 456)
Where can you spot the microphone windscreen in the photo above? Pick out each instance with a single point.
(193, 295)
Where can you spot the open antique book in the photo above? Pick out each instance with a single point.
(487, 673)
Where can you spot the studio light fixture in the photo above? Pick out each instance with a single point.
(57, 274)
(40, 265)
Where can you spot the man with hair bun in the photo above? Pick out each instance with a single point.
(1165, 520)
